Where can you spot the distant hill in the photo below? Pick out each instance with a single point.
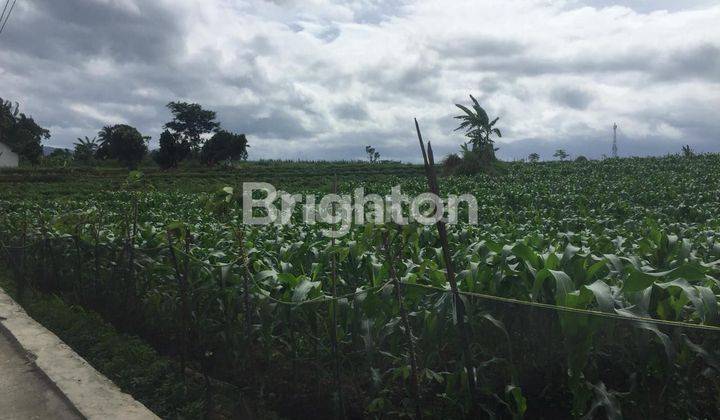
(47, 150)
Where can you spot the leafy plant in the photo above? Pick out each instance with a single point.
(20, 132)
(479, 129)
(173, 149)
(122, 142)
(224, 146)
(85, 149)
(190, 122)
(567, 258)
(373, 155)
(561, 154)
(687, 151)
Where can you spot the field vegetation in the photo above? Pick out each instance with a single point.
(590, 288)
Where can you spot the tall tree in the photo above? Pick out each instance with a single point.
(224, 146)
(479, 129)
(20, 132)
(105, 137)
(124, 143)
(373, 155)
(191, 122)
(172, 150)
(561, 154)
(85, 149)
(534, 157)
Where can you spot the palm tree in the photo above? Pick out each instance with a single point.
(478, 128)
(105, 136)
(85, 149)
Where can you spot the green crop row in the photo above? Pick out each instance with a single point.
(364, 326)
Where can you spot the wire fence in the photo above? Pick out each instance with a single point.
(229, 322)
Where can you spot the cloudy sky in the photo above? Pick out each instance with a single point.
(320, 79)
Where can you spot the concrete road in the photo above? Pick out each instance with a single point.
(24, 393)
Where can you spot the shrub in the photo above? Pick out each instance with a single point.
(451, 163)
(224, 146)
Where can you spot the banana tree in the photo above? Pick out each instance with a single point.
(478, 128)
(85, 149)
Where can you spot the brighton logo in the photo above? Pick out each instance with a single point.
(348, 209)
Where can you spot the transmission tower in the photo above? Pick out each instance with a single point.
(614, 148)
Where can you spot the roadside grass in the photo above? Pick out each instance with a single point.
(132, 364)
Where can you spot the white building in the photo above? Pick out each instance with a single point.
(8, 158)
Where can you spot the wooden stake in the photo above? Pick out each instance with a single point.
(463, 330)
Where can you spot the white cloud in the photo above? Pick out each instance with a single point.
(85, 110)
(321, 79)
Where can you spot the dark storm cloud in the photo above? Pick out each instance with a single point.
(75, 29)
(479, 48)
(696, 120)
(700, 62)
(277, 124)
(418, 79)
(351, 111)
(304, 78)
(691, 62)
(572, 97)
(533, 64)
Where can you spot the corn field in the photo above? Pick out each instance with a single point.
(587, 290)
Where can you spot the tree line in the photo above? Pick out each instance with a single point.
(184, 137)
(20, 132)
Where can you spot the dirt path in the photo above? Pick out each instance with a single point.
(24, 392)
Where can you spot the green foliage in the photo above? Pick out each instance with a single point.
(451, 163)
(173, 149)
(190, 121)
(85, 150)
(290, 175)
(58, 158)
(373, 155)
(687, 151)
(470, 162)
(479, 129)
(561, 154)
(20, 132)
(130, 362)
(224, 146)
(122, 142)
(251, 306)
(534, 158)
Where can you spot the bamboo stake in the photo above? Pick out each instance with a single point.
(463, 330)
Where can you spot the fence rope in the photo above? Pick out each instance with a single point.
(579, 311)
(482, 296)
